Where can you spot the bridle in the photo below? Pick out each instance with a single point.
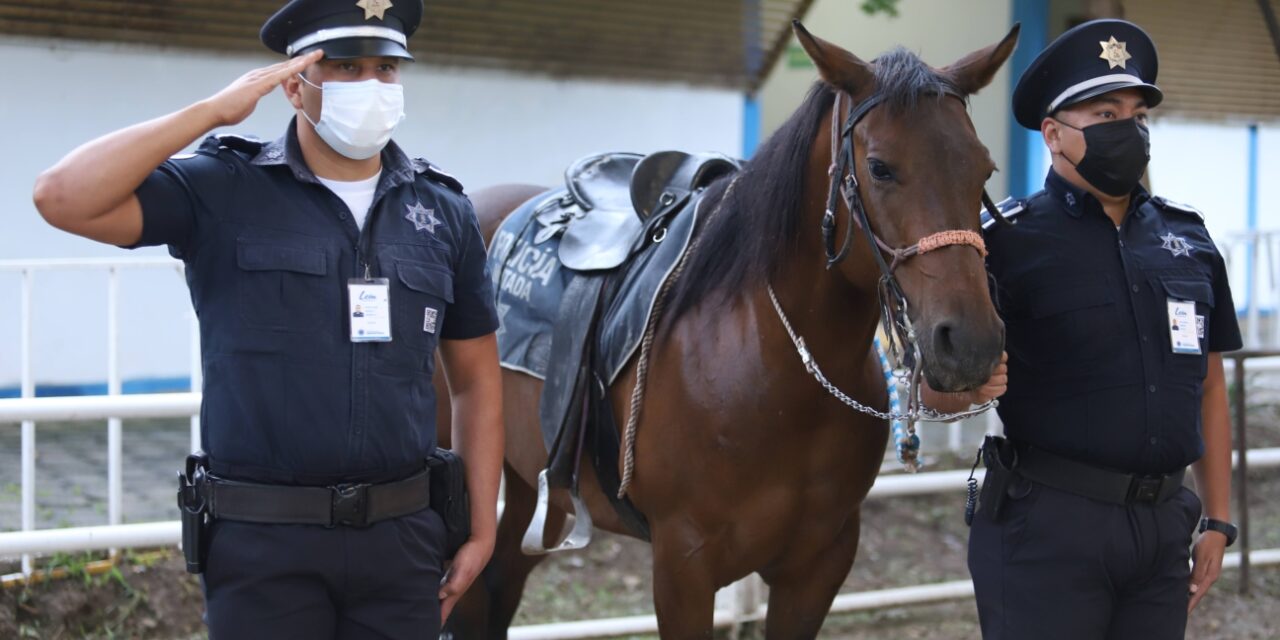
(843, 181)
(901, 336)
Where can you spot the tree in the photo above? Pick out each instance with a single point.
(872, 7)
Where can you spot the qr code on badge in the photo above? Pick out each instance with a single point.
(1200, 326)
(429, 320)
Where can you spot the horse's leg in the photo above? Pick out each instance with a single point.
(684, 593)
(801, 590)
(489, 606)
(507, 572)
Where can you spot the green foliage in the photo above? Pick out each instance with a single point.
(872, 7)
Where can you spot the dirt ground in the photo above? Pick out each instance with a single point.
(907, 541)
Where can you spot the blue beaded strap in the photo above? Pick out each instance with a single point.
(906, 442)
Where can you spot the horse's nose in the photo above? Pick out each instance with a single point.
(944, 345)
(963, 353)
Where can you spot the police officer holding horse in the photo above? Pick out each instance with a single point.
(1117, 308)
(321, 517)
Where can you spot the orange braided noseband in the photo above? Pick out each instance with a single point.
(947, 238)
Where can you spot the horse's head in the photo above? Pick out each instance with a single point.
(920, 171)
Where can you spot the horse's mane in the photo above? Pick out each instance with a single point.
(746, 244)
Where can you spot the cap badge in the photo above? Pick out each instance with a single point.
(378, 9)
(1114, 53)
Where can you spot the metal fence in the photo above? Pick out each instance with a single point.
(27, 271)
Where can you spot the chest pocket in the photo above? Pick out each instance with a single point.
(283, 287)
(1072, 324)
(1187, 365)
(420, 297)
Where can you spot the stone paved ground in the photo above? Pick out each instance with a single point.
(71, 472)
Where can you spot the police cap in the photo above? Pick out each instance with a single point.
(343, 28)
(1091, 59)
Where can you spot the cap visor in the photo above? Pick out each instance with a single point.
(347, 48)
(1151, 92)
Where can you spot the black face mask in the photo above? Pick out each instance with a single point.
(1115, 155)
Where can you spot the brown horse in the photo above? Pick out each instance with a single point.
(744, 463)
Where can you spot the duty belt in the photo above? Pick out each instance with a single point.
(1093, 482)
(351, 505)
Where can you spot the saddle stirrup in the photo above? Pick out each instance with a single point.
(578, 538)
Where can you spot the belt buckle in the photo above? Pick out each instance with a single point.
(1145, 488)
(350, 506)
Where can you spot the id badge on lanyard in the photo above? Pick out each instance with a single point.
(369, 298)
(1185, 327)
(369, 309)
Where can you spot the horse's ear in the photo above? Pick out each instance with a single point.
(975, 71)
(838, 67)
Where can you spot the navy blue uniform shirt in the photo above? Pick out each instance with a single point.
(288, 398)
(1092, 374)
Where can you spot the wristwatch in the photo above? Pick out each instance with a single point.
(1225, 528)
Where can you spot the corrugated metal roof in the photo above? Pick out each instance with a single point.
(729, 43)
(1217, 60)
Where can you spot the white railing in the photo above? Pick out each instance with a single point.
(27, 270)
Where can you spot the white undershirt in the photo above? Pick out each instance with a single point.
(358, 195)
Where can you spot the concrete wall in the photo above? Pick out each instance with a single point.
(940, 31)
(485, 127)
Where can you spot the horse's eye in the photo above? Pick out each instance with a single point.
(879, 170)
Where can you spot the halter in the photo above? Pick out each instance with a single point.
(844, 182)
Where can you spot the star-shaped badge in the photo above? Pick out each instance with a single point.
(423, 219)
(1114, 53)
(378, 9)
(1175, 245)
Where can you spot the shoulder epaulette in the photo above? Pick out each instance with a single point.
(1010, 208)
(1169, 205)
(426, 168)
(247, 145)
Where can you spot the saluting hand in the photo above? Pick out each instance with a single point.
(233, 104)
(470, 560)
(1207, 553)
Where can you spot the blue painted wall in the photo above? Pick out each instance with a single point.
(750, 125)
(144, 385)
(1026, 148)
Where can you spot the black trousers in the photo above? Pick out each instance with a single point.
(298, 581)
(1058, 565)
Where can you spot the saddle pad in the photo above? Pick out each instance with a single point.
(530, 282)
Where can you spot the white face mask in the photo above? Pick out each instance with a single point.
(357, 118)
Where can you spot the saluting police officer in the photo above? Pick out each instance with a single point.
(318, 418)
(1116, 308)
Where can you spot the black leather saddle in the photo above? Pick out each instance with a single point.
(578, 270)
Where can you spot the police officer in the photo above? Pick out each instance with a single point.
(1116, 307)
(317, 422)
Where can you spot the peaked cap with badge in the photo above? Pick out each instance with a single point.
(1087, 61)
(344, 28)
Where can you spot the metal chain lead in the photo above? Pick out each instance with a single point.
(915, 411)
